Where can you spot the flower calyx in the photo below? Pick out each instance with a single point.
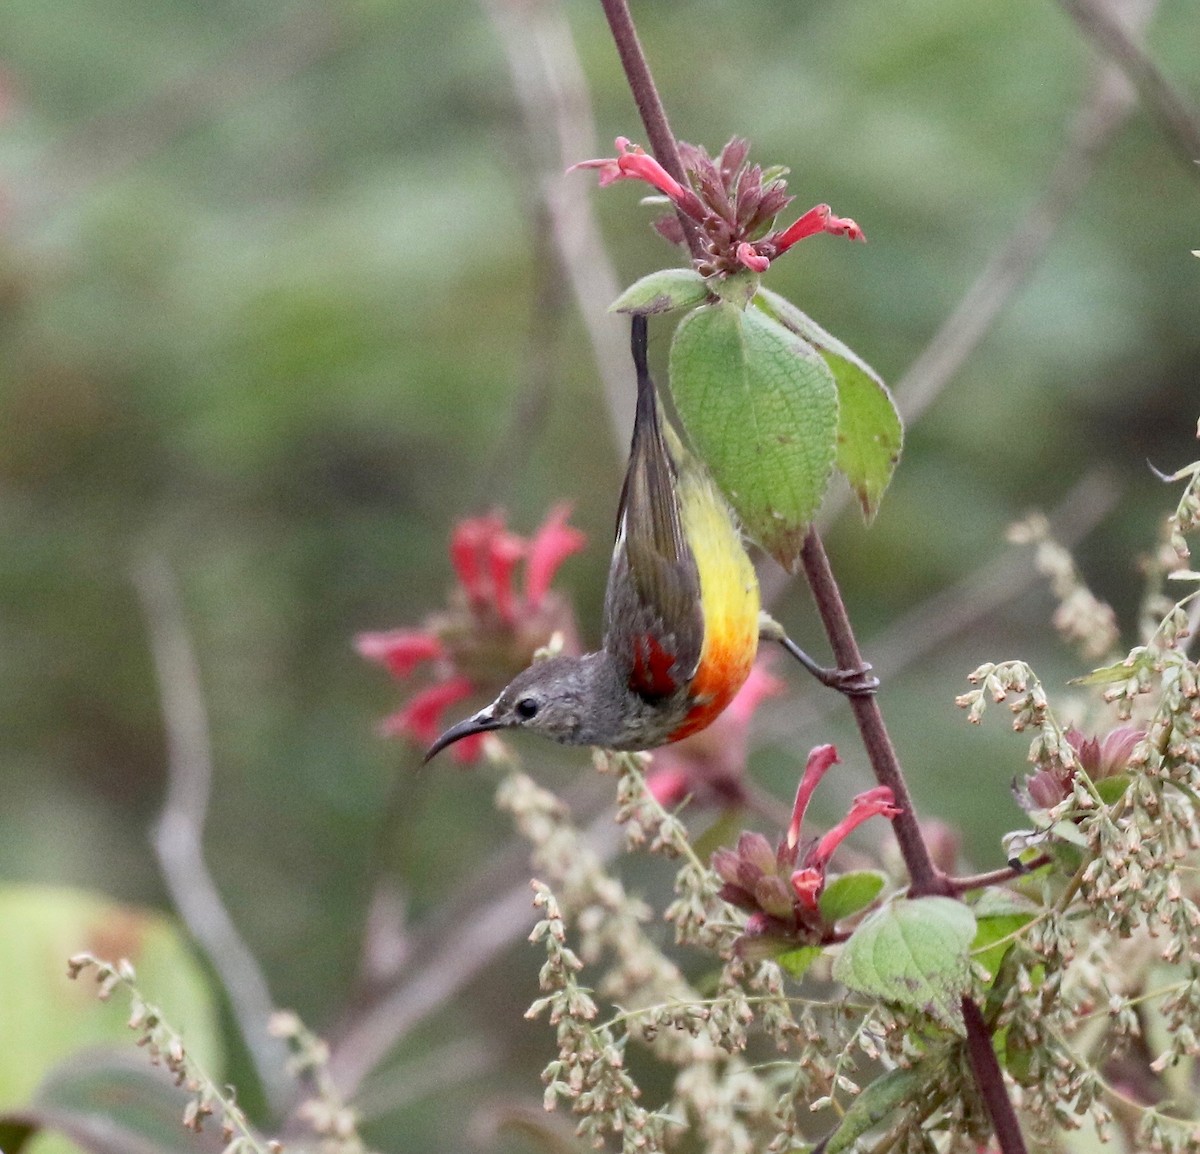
(731, 203)
(781, 888)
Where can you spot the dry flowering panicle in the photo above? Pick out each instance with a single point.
(165, 1046)
(1098, 997)
(729, 1103)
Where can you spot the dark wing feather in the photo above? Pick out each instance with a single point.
(654, 622)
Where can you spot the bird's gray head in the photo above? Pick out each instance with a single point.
(573, 700)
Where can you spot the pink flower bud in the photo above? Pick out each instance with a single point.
(552, 544)
(752, 259)
(504, 550)
(399, 650)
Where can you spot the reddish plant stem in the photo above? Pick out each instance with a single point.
(649, 105)
(995, 877)
(989, 1079)
(926, 878)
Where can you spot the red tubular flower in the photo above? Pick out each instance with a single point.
(552, 544)
(877, 802)
(421, 718)
(781, 889)
(818, 219)
(399, 650)
(504, 550)
(633, 163)
(491, 628)
(468, 545)
(733, 204)
(820, 759)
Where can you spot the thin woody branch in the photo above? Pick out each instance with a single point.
(926, 877)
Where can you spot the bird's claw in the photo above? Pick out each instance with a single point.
(860, 682)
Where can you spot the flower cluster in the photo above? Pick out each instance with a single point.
(1100, 758)
(491, 628)
(731, 204)
(780, 888)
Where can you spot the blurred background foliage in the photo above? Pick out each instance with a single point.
(270, 296)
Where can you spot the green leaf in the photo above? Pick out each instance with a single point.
(998, 914)
(849, 893)
(882, 1097)
(53, 1017)
(761, 409)
(915, 953)
(1106, 674)
(113, 1102)
(797, 961)
(870, 431)
(1068, 831)
(662, 292)
(1112, 789)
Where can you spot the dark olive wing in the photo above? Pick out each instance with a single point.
(654, 623)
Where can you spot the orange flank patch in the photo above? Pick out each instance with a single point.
(652, 664)
(729, 597)
(723, 671)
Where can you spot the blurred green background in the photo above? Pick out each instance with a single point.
(272, 288)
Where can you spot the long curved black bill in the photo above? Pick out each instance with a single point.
(480, 723)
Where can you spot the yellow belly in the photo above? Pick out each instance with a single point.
(729, 594)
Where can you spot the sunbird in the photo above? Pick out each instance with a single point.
(682, 618)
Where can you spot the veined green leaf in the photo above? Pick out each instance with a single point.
(761, 409)
(662, 292)
(870, 432)
(914, 952)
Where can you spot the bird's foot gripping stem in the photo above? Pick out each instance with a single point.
(858, 682)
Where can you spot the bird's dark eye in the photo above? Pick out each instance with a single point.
(526, 708)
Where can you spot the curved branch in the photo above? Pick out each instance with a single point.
(179, 832)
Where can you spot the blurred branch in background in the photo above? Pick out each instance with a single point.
(178, 836)
(552, 92)
(955, 609)
(1094, 125)
(442, 966)
(1114, 32)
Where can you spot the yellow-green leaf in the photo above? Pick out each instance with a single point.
(662, 292)
(870, 431)
(915, 953)
(761, 409)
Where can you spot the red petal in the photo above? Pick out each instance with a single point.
(504, 550)
(877, 802)
(399, 650)
(553, 543)
(421, 718)
(819, 761)
(467, 543)
(753, 260)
